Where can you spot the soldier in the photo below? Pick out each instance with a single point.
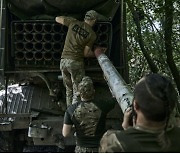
(154, 101)
(79, 41)
(88, 119)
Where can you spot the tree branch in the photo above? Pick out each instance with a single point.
(168, 42)
(140, 39)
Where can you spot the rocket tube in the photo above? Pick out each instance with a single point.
(38, 56)
(19, 55)
(116, 83)
(47, 56)
(29, 55)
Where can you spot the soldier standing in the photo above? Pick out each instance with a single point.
(88, 119)
(154, 101)
(79, 41)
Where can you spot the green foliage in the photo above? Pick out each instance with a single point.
(152, 27)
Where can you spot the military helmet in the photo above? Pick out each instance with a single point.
(86, 88)
(91, 15)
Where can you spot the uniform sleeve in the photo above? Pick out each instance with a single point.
(68, 20)
(92, 40)
(67, 118)
(110, 143)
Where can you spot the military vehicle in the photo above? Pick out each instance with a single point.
(32, 101)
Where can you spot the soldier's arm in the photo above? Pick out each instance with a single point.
(66, 131)
(88, 52)
(127, 117)
(60, 20)
(67, 126)
(64, 20)
(88, 48)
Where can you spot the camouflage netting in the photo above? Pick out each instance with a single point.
(48, 9)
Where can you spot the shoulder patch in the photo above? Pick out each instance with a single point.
(82, 32)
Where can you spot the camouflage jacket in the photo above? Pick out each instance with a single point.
(138, 140)
(89, 121)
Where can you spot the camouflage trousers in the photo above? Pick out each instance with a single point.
(72, 73)
(79, 149)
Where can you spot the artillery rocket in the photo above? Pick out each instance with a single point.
(116, 83)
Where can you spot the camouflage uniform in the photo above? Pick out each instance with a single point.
(89, 119)
(72, 73)
(79, 35)
(85, 116)
(138, 139)
(79, 149)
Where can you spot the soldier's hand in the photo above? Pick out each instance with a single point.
(127, 116)
(99, 50)
(102, 49)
